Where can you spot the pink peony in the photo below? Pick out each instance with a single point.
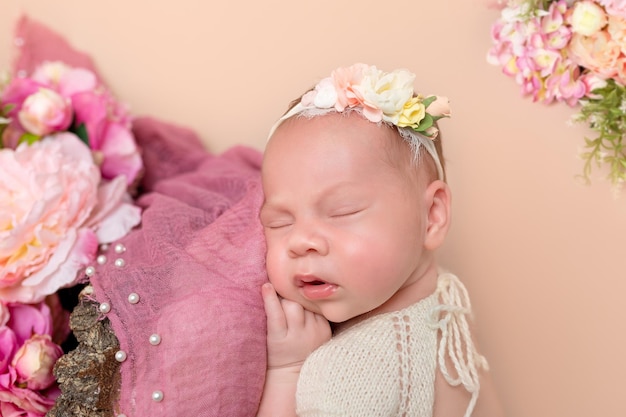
(49, 193)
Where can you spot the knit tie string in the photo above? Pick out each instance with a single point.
(450, 317)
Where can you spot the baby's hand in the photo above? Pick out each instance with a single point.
(292, 332)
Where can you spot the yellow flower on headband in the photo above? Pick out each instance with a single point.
(412, 113)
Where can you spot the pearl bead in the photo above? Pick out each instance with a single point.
(157, 396)
(120, 356)
(119, 248)
(90, 271)
(101, 259)
(133, 298)
(155, 339)
(104, 307)
(119, 262)
(103, 247)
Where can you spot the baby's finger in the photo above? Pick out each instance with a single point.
(276, 321)
(294, 313)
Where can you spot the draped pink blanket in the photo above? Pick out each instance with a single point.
(195, 264)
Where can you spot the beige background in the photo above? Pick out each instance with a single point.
(542, 255)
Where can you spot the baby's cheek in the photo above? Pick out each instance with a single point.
(276, 268)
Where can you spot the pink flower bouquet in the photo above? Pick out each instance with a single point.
(68, 159)
(571, 51)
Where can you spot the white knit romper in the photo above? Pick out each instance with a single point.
(385, 365)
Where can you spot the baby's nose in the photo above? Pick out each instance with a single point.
(307, 239)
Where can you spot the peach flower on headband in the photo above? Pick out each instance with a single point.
(346, 81)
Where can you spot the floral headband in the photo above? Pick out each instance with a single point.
(381, 97)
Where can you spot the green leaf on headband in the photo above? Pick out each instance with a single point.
(81, 132)
(426, 122)
(426, 102)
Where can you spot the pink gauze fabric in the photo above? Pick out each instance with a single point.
(195, 264)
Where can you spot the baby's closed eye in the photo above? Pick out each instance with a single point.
(345, 211)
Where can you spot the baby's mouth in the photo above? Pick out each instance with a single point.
(314, 288)
(306, 280)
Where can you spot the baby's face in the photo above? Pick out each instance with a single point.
(344, 227)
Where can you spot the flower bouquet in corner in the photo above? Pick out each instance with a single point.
(68, 160)
(571, 51)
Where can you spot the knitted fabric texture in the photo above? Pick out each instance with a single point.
(386, 364)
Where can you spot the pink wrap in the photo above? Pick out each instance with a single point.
(195, 265)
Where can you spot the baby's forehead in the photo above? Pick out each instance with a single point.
(378, 148)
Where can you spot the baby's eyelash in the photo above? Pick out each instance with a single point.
(345, 213)
(277, 225)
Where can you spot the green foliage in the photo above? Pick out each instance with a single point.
(606, 115)
(81, 132)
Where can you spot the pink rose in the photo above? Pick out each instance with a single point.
(34, 362)
(29, 402)
(14, 95)
(598, 52)
(52, 190)
(45, 112)
(27, 355)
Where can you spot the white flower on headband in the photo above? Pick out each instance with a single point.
(382, 96)
(385, 94)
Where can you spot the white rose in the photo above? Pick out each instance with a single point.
(387, 91)
(588, 18)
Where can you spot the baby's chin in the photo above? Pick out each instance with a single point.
(340, 319)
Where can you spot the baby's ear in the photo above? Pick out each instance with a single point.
(437, 199)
